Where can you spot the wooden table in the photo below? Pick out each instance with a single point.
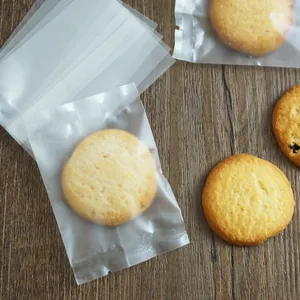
(199, 114)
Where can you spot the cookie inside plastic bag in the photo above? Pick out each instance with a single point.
(100, 165)
(263, 33)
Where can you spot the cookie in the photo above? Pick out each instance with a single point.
(247, 200)
(110, 178)
(286, 124)
(253, 27)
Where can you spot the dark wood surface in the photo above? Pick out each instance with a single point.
(199, 115)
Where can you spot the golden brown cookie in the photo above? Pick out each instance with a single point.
(110, 178)
(253, 27)
(247, 200)
(286, 124)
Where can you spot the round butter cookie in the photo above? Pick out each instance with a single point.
(253, 27)
(247, 200)
(286, 124)
(110, 178)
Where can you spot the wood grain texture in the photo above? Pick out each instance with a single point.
(199, 115)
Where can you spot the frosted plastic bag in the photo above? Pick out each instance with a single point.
(19, 99)
(40, 14)
(107, 69)
(95, 250)
(159, 70)
(18, 130)
(37, 13)
(210, 38)
(25, 73)
(144, 20)
(135, 65)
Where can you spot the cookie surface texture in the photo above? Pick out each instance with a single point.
(110, 178)
(247, 200)
(286, 124)
(253, 27)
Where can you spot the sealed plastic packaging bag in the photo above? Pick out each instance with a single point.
(254, 32)
(100, 165)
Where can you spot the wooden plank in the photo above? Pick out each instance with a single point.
(199, 115)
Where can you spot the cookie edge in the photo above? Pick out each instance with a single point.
(276, 111)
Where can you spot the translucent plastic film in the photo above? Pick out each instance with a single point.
(27, 71)
(40, 14)
(141, 59)
(29, 81)
(262, 33)
(35, 15)
(135, 65)
(116, 231)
